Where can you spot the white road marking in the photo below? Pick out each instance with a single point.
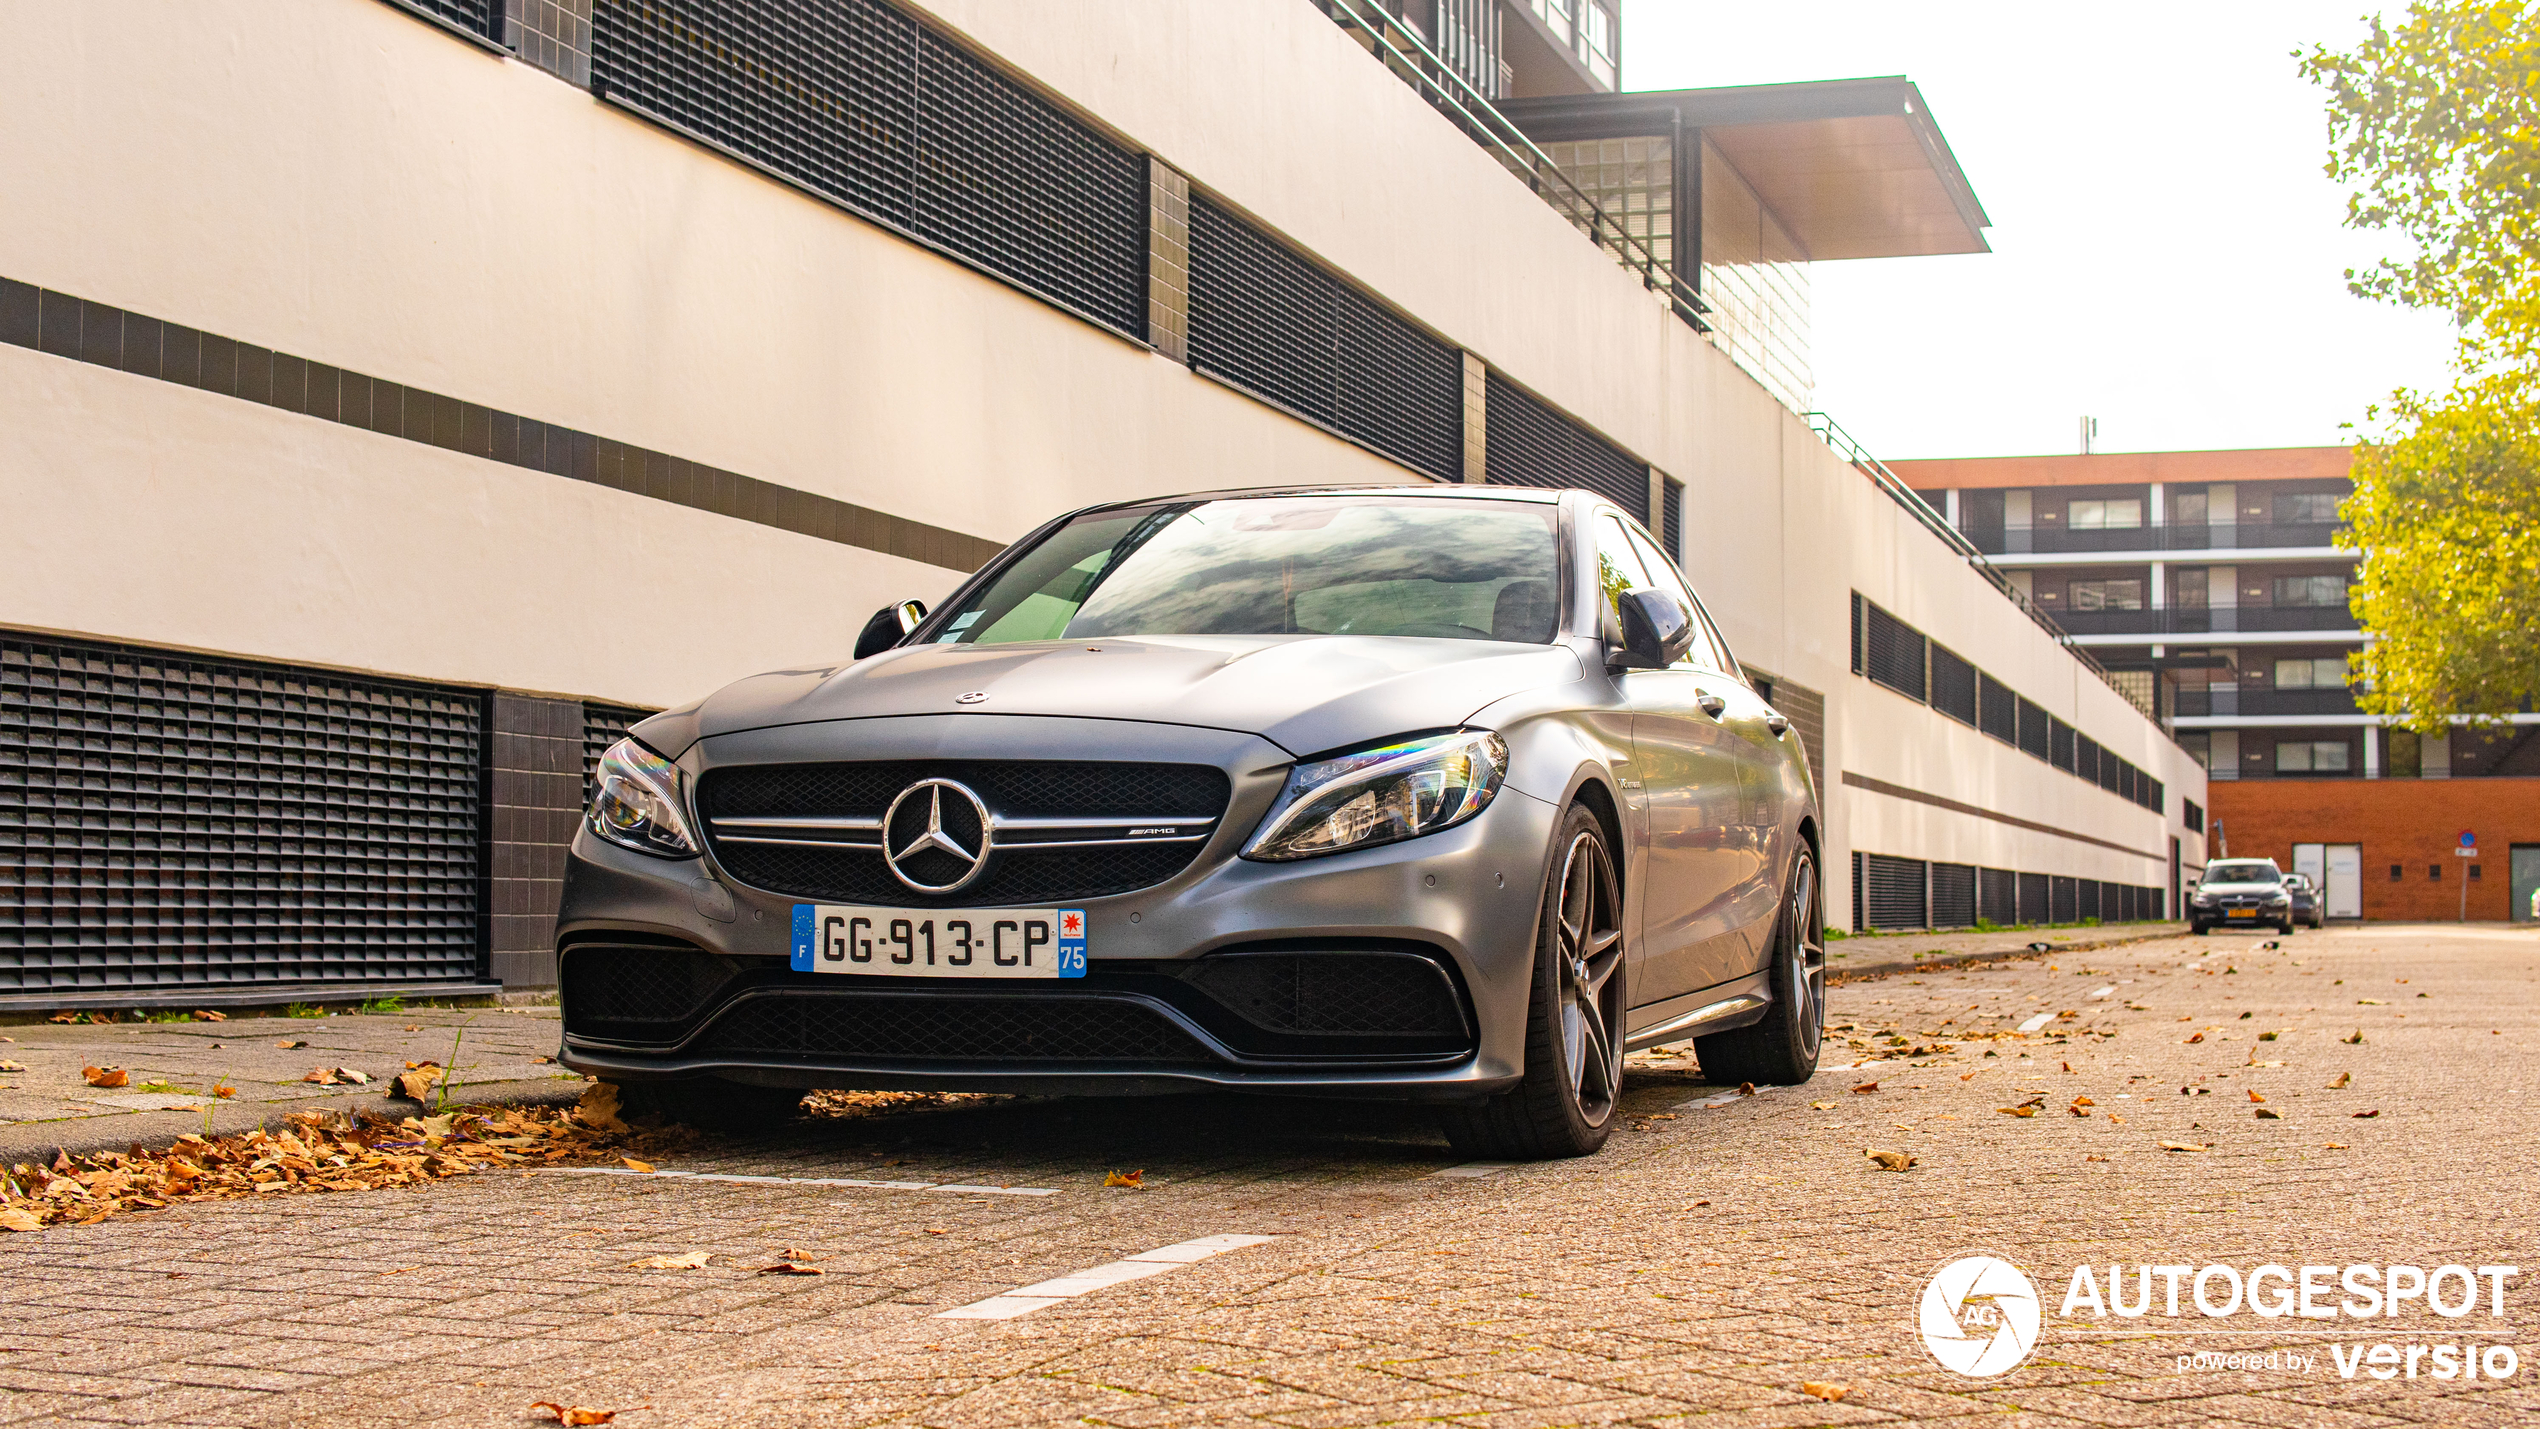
(812, 1181)
(2036, 1022)
(1475, 1168)
(1026, 1299)
(2103, 992)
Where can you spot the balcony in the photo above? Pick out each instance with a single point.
(2174, 536)
(2272, 704)
(2206, 620)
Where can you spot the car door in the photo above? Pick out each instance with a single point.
(1691, 796)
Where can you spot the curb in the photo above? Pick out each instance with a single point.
(1871, 971)
(153, 1130)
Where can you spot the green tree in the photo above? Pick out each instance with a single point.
(2434, 124)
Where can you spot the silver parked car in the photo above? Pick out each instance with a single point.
(1447, 794)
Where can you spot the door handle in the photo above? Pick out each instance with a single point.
(1712, 705)
(1779, 724)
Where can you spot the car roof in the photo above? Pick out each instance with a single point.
(1534, 495)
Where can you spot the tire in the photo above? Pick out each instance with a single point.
(2203, 930)
(1574, 1015)
(2286, 927)
(1781, 1050)
(709, 1104)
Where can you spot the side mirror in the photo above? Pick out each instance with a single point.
(1657, 631)
(889, 626)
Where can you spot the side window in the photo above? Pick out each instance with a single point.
(1618, 568)
(1703, 654)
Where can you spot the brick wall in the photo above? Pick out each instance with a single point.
(2414, 823)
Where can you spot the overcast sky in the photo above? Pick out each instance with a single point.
(2167, 254)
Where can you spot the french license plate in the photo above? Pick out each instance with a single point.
(967, 942)
(2240, 913)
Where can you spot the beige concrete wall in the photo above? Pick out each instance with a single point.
(333, 179)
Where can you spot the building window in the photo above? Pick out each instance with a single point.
(2473, 873)
(2107, 594)
(2434, 873)
(2397, 872)
(2311, 756)
(2193, 814)
(2126, 515)
(2188, 508)
(2313, 507)
(2310, 590)
(1596, 41)
(2319, 672)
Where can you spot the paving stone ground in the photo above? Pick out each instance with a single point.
(1716, 1256)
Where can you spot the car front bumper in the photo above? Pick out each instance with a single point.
(1465, 898)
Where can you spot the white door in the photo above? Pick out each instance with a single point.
(2345, 885)
(2311, 861)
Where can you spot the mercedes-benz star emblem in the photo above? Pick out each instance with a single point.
(932, 843)
(971, 698)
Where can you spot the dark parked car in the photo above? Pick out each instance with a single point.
(2241, 892)
(2309, 908)
(1439, 794)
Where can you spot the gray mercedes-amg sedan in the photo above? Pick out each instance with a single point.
(1448, 794)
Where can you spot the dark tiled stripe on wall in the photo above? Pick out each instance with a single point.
(1899, 791)
(94, 333)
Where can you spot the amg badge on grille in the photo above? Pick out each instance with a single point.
(971, 697)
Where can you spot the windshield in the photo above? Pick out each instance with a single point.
(2243, 873)
(1287, 565)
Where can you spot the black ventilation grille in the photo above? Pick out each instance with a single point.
(1998, 896)
(862, 105)
(170, 821)
(1953, 895)
(1265, 318)
(1017, 874)
(2065, 896)
(639, 992)
(951, 1027)
(602, 726)
(2059, 744)
(1395, 994)
(1529, 444)
(2000, 709)
(1953, 685)
(2036, 898)
(2086, 758)
(2034, 737)
(1894, 656)
(1896, 891)
(1674, 515)
(477, 17)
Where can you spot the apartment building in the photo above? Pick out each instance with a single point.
(398, 397)
(2211, 583)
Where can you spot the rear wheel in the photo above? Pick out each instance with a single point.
(709, 1104)
(1782, 1049)
(1574, 1015)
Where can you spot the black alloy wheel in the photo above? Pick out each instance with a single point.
(1782, 1049)
(1574, 1015)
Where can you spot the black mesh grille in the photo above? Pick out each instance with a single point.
(2059, 744)
(1389, 993)
(1264, 317)
(1675, 517)
(1529, 444)
(951, 1027)
(1894, 657)
(602, 726)
(1896, 892)
(168, 820)
(638, 992)
(1998, 896)
(2091, 890)
(474, 16)
(1017, 873)
(2033, 731)
(1953, 685)
(1953, 895)
(2064, 894)
(2000, 710)
(860, 104)
(2086, 758)
(2036, 898)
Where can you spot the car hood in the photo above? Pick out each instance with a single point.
(2243, 888)
(1306, 693)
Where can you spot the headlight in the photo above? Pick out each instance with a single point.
(2202, 900)
(637, 804)
(1382, 795)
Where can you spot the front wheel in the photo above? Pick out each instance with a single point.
(2203, 930)
(1574, 1015)
(1782, 1049)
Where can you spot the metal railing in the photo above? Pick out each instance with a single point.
(2198, 536)
(1411, 60)
(1844, 446)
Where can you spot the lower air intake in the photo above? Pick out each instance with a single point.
(937, 1027)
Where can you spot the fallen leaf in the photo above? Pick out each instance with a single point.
(2247, 1015)
(1746, 1089)
(1968, 1076)
(598, 1107)
(66, 1017)
(1821, 1106)
(1134, 1180)
(2115, 1120)
(2068, 1066)
(1822, 1390)
(791, 1267)
(2370, 1002)
(416, 1085)
(106, 1076)
(2253, 1095)
(2266, 1036)
(544, 1061)
(2334, 1146)
(1865, 1089)
(2182, 1146)
(289, 1046)
(2366, 1115)
(2195, 1036)
(693, 1260)
(13, 1218)
(2017, 1110)
(644, 1167)
(9, 1066)
(2066, 1016)
(2354, 1038)
(576, 1414)
(937, 1230)
(205, 1014)
(2267, 1113)
(2344, 1079)
(414, 1027)
(224, 1090)
(2094, 1158)
(1889, 1160)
